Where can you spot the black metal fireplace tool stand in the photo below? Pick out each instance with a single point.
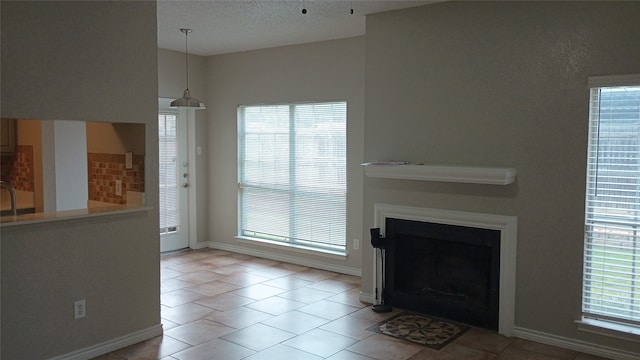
(380, 243)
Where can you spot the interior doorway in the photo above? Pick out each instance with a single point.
(173, 179)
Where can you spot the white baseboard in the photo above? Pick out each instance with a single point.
(554, 340)
(112, 345)
(576, 345)
(199, 245)
(367, 298)
(285, 258)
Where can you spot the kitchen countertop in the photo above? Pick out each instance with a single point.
(26, 215)
(36, 218)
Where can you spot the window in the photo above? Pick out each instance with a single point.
(611, 284)
(167, 125)
(292, 174)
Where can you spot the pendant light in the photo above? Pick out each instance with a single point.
(186, 101)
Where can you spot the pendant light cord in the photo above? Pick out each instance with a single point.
(186, 101)
(186, 52)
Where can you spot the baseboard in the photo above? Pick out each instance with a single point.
(554, 340)
(199, 245)
(576, 345)
(367, 298)
(286, 258)
(112, 345)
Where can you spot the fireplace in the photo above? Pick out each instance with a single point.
(444, 270)
(492, 239)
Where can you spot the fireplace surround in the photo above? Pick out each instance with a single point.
(506, 227)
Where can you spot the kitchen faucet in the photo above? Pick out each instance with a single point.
(12, 192)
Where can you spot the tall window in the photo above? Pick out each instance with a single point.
(611, 287)
(292, 174)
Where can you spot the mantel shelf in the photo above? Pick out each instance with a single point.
(444, 173)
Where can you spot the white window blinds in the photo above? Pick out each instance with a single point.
(292, 174)
(168, 172)
(611, 287)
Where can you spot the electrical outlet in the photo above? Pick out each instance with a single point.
(356, 244)
(119, 187)
(79, 309)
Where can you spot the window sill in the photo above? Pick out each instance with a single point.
(294, 248)
(609, 328)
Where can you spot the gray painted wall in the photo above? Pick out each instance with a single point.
(92, 61)
(454, 83)
(332, 70)
(499, 84)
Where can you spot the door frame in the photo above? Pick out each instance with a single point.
(190, 157)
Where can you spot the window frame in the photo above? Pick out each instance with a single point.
(595, 321)
(292, 243)
(164, 230)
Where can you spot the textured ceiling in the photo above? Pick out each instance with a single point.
(226, 26)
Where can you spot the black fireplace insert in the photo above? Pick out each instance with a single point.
(448, 271)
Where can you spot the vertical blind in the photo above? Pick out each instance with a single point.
(292, 174)
(611, 288)
(168, 177)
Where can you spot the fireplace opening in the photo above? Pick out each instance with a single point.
(448, 271)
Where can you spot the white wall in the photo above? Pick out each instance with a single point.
(500, 84)
(81, 61)
(324, 71)
(64, 145)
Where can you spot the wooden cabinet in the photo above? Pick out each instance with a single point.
(8, 136)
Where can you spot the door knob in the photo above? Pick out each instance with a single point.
(185, 185)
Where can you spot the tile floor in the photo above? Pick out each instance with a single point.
(225, 306)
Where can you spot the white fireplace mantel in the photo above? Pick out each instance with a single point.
(445, 173)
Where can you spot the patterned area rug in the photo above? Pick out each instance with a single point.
(420, 329)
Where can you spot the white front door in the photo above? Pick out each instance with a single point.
(173, 180)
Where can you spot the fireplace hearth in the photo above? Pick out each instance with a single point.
(444, 270)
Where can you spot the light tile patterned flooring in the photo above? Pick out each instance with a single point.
(226, 306)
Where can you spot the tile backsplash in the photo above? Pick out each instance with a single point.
(105, 169)
(17, 169)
